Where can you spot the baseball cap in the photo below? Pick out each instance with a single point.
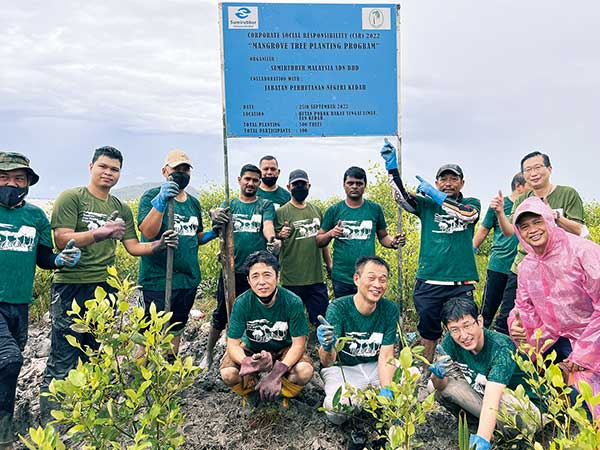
(177, 157)
(454, 168)
(298, 175)
(13, 160)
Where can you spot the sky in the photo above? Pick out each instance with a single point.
(482, 84)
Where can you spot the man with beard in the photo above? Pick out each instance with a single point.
(298, 223)
(269, 189)
(446, 261)
(253, 230)
(267, 335)
(153, 222)
(96, 220)
(25, 242)
(353, 223)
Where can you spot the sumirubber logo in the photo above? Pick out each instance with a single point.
(242, 17)
(376, 19)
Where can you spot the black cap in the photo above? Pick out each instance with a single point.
(454, 168)
(298, 175)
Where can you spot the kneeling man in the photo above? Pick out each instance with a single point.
(370, 321)
(485, 360)
(266, 336)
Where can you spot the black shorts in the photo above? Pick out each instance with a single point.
(315, 299)
(429, 300)
(182, 301)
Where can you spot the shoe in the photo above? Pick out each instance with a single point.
(7, 432)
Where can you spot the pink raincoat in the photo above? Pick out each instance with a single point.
(559, 292)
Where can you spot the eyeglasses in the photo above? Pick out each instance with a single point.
(535, 168)
(455, 331)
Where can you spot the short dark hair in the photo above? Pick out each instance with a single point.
(458, 307)
(262, 256)
(545, 157)
(268, 158)
(362, 261)
(250, 168)
(109, 152)
(526, 215)
(518, 179)
(356, 172)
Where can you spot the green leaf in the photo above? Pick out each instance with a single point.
(75, 307)
(79, 328)
(336, 398)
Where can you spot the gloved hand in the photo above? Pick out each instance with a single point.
(69, 256)
(386, 392)
(168, 190)
(325, 334)
(113, 228)
(388, 153)
(427, 189)
(270, 386)
(399, 240)
(479, 442)
(274, 246)
(259, 362)
(169, 238)
(441, 365)
(220, 218)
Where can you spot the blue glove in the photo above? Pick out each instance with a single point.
(388, 153)
(69, 256)
(475, 249)
(168, 190)
(427, 189)
(386, 392)
(440, 367)
(479, 442)
(325, 334)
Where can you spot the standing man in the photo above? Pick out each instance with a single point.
(253, 230)
(371, 321)
(25, 241)
(153, 222)
(487, 368)
(96, 220)
(558, 293)
(446, 261)
(502, 256)
(353, 223)
(269, 189)
(568, 212)
(267, 335)
(298, 223)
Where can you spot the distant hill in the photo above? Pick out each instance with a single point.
(135, 191)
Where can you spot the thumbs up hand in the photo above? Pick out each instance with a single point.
(337, 231)
(69, 256)
(286, 230)
(497, 203)
(517, 331)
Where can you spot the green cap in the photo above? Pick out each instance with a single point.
(13, 160)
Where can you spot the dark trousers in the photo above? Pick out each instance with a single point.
(341, 289)
(63, 356)
(314, 297)
(494, 295)
(182, 301)
(219, 316)
(507, 303)
(13, 337)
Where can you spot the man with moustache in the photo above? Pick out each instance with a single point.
(269, 190)
(353, 224)
(253, 230)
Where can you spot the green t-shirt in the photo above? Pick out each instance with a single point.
(301, 259)
(504, 248)
(248, 220)
(79, 210)
(360, 230)
(270, 329)
(493, 363)
(446, 252)
(565, 199)
(368, 333)
(188, 223)
(21, 231)
(278, 197)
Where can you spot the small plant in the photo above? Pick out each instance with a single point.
(114, 400)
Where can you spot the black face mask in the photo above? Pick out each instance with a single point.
(267, 300)
(11, 196)
(300, 193)
(181, 178)
(269, 181)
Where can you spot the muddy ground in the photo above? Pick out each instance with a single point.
(216, 418)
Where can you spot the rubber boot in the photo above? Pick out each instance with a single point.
(207, 358)
(7, 432)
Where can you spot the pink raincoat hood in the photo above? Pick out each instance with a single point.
(559, 292)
